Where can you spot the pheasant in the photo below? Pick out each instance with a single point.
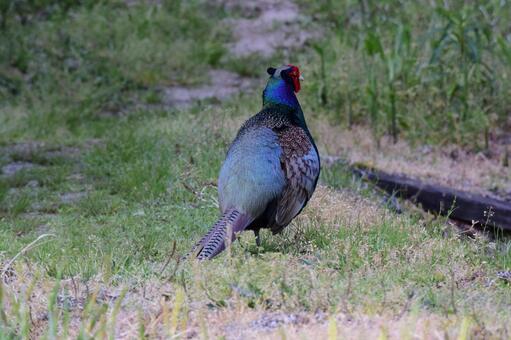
(271, 169)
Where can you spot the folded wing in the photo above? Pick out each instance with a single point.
(300, 163)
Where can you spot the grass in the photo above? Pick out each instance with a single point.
(126, 194)
(92, 60)
(144, 192)
(427, 72)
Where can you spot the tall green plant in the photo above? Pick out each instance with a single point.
(373, 48)
(397, 64)
(458, 53)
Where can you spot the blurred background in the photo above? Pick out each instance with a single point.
(427, 71)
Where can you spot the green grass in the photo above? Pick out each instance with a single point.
(426, 71)
(148, 182)
(93, 60)
(148, 185)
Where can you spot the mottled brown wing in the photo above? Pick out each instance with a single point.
(300, 162)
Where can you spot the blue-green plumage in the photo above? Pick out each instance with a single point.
(277, 91)
(271, 168)
(251, 175)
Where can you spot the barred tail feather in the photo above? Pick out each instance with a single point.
(213, 243)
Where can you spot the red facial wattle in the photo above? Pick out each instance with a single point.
(295, 76)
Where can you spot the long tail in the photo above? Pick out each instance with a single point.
(213, 243)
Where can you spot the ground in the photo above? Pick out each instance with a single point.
(98, 201)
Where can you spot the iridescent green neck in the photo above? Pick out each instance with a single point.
(277, 91)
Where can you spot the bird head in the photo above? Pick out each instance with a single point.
(289, 73)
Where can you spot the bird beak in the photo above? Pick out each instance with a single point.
(301, 78)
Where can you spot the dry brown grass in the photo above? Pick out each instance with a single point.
(336, 207)
(450, 165)
(150, 307)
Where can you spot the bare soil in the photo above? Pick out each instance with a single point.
(450, 165)
(267, 26)
(263, 28)
(223, 85)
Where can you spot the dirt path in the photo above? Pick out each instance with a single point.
(224, 84)
(268, 26)
(263, 28)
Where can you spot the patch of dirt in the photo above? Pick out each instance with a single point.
(272, 321)
(223, 85)
(72, 197)
(267, 26)
(12, 168)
